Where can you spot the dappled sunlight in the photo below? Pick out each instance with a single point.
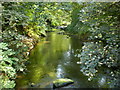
(41, 42)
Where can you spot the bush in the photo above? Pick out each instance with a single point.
(103, 47)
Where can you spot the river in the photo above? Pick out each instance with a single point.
(54, 57)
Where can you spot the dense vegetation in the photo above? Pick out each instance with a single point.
(23, 23)
(100, 21)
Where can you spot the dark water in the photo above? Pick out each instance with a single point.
(52, 58)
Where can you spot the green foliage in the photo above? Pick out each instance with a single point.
(22, 19)
(6, 83)
(102, 21)
(77, 26)
(12, 57)
(35, 18)
(6, 70)
(44, 16)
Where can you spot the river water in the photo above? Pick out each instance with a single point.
(54, 57)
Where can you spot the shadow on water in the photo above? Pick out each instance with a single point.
(52, 58)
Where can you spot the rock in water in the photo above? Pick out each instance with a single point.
(62, 82)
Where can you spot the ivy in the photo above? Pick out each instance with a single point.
(101, 22)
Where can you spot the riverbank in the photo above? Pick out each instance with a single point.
(53, 58)
(14, 52)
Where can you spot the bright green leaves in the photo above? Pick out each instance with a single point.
(3, 46)
(6, 62)
(6, 83)
(32, 17)
(11, 60)
(45, 16)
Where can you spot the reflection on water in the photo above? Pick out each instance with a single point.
(59, 72)
(102, 81)
(53, 58)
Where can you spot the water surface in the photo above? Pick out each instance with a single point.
(54, 57)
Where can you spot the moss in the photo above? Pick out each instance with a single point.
(62, 82)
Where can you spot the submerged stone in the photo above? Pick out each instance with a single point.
(62, 82)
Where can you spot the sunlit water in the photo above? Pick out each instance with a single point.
(52, 58)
